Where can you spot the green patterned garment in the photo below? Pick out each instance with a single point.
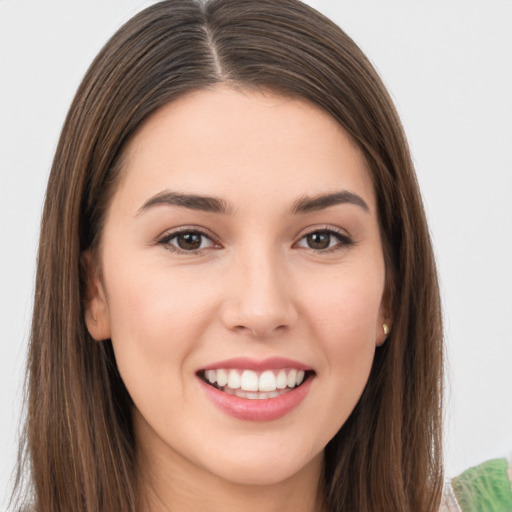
(484, 488)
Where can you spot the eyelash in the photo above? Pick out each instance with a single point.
(165, 241)
(343, 240)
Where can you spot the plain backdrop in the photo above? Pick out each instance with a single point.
(448, 66)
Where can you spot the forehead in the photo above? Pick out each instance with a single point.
(242, 144)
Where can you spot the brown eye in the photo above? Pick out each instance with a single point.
(324, 240)
(319, 240)
(189, 241)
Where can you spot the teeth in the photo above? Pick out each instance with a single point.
(252, 385)
(234, 380)
(222, 378)
(281, 380)
(249, 381)
(267, 381)
(292, 377)
(253, 396)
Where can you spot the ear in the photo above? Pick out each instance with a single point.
(383, 329)
(384, 320)
(97, 315)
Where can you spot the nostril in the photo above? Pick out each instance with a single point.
(258, 330)
(261, 309)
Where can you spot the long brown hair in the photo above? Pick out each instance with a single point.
(80, 441)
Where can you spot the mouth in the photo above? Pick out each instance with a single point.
(255, 385)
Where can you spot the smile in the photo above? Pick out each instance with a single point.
(254, 385)
(253, 390)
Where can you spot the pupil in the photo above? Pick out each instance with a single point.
(319, 240)
(189, 241)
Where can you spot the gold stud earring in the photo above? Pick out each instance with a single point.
(385, 328)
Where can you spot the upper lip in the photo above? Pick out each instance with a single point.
(246, 363)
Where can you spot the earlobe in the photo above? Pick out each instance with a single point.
(97, 316)
(384, 324)
(382, 336)
(385, 320)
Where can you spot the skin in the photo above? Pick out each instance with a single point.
(257, 290)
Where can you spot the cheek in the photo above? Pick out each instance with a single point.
(347, 310)
(154, 322)
(345, 317)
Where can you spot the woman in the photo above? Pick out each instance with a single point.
(236, 298)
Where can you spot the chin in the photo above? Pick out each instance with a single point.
(266, 471)
(264, 465)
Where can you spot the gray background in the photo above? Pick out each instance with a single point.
(448, 65)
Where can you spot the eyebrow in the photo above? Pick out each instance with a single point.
(311, 204)
(216, 205)
(191, 201)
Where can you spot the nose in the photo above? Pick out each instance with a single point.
(260, 298)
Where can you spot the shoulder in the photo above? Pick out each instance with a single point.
(483, 488)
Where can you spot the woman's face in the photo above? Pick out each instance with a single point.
(241, 247)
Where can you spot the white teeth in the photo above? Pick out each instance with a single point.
(211, 375)
(249, 381)
(291, 378)
(281, 380)
(267, 381)
(252, 395)
(234, 380)
(252, 385)
(222, 378)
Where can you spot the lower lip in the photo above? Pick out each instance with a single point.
(266, 409)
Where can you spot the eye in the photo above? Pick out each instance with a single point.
(324, 240)
(187, 241)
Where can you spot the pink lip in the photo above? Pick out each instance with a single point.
(245, 363)
(257, 410)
